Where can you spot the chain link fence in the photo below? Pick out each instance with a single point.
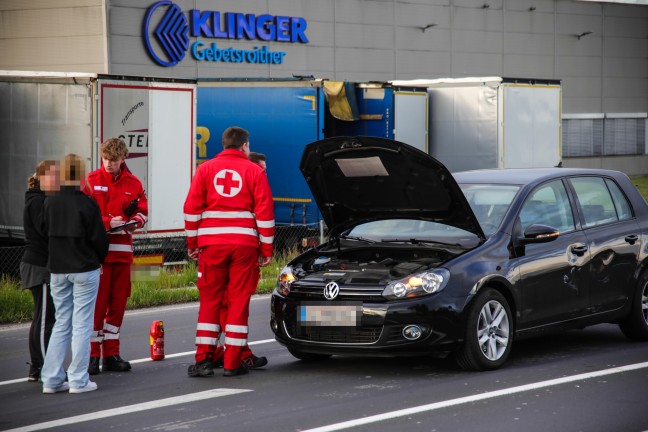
(168, 248)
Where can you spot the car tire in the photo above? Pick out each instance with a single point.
(489, 332)
(308, 356)
(635, 325)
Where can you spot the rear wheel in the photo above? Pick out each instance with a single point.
(489, 332)
(635, 325)
(308, 356)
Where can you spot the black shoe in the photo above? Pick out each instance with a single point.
(115, 363)
(254, 362)
(203, 368)
(93, 367)
(217, 364)
(242, 370)
(34, 373)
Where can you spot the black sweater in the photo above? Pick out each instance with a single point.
(78, 241)
(34, 224)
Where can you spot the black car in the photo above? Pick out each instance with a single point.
(423, 262)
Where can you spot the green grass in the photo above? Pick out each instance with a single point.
(171, 286)
(642, 184)
(15, 304)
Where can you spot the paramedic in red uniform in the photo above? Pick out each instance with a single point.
(229, 220)
(121, 199)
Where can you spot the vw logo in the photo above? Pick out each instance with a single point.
(331, 290)
(170, 34)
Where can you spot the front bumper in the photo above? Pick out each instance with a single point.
(379, 331)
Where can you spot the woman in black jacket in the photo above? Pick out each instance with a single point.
(33, 272)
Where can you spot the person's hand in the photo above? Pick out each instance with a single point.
(130, 228)
(116, 221)
(264, 261)
(193, 253)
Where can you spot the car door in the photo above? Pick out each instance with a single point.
(554, 277)
(613, 236)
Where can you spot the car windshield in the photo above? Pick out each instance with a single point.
(412, 231)
(489, 202)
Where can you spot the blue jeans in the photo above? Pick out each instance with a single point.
(74, 298)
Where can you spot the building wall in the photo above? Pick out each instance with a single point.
(363, 40)
(53, 35)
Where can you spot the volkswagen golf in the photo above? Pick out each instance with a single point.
(423, 262)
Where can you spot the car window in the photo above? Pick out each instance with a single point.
(548, 205)
(595, 200)
(624, 211)
(489, 203)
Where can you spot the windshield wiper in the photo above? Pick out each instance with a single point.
(419, 241)
(347, 237)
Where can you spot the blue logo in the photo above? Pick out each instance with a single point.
(171, 34)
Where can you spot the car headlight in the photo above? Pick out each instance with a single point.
(418, 284)
(285, 279)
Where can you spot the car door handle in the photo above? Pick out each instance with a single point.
(579, 250)
(632, 238)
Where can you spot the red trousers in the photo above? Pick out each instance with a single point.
(231, 271)
(114, 290)
(220, 352)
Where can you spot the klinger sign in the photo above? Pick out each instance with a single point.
(167, 33)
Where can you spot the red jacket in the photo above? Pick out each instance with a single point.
(230, 202)
(114, 197)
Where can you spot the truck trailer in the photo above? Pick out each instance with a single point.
(47, 115)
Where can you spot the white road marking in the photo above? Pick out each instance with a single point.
(474, 398)
(160, 403)
(144, 360)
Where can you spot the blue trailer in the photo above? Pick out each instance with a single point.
(284, 115)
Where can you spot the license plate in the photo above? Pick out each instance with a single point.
(330, 315)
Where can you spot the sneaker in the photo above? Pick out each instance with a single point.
(203, 368)
(254, 362)
(93, 367)
(115, 363)
(61, 388)
(91, 386)
(34, 373)
(242, 370)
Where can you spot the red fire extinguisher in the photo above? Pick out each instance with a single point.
(157, 340)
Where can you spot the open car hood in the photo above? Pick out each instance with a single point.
(361, 179)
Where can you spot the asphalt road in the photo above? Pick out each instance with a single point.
(587, 380)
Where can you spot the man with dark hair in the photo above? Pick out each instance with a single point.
(259, 159)
(121, 199)
(229, 220)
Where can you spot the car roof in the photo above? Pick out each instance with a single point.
(524, 176)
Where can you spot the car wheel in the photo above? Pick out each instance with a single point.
(635, 325)
(489, 332)
(307, 356)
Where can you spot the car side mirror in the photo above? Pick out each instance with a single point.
(537, 233)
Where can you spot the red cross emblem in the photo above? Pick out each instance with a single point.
(228, 183)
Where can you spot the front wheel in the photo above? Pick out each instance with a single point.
(635, 325)
(308, 356)
(489, 332)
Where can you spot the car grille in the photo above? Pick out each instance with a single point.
(336, 335)
(315, 291)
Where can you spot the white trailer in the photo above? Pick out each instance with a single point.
(493, 122)
(48, 115)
